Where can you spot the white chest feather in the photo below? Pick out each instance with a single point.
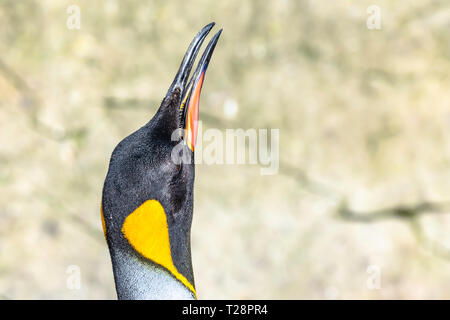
(136, 280)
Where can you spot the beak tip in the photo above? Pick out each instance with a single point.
(208, 27)
(216, 36)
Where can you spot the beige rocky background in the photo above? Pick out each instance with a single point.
(364, 116)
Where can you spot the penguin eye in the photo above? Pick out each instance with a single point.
(175, 170)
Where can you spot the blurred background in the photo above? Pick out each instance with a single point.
(360, 207)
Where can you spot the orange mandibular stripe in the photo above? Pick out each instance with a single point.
(103, 221)
(147, 231)
(192, 116)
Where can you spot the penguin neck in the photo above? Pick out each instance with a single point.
(137, 279)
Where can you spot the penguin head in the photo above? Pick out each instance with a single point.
(147, 200)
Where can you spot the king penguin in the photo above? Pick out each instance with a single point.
(147, 199)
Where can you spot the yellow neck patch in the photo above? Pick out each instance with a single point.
(147, 231)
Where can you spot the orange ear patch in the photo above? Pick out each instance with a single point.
(147, 232)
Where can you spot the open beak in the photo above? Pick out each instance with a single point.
(190, 90)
